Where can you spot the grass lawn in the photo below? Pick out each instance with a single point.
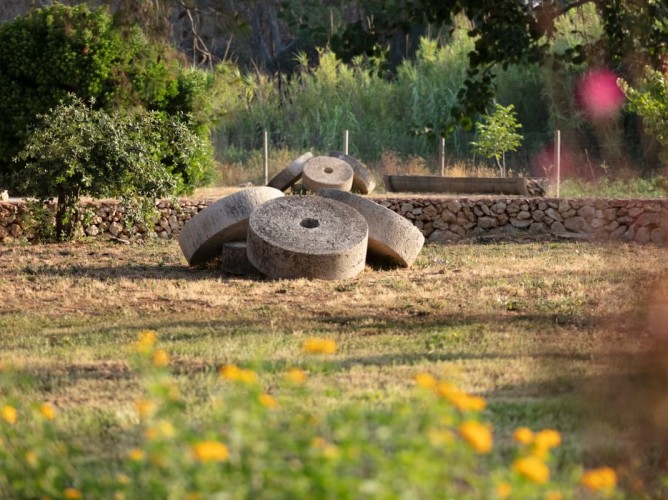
(542, 331)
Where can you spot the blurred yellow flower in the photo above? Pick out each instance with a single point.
(160, 358)
(523, 435)
(234, 373)
(438, 437)
(318, 442)
(600, 479)
(477, 435)
(319, 346)
(136, 455)
(296, 375)
(532, 468)
(268, 401)
(504, 490)
(32, 459)
(122, 479)
(145, 408)
(146, 339)
(210, 451)
(72, 493)
(47, 411)
(553, 495)
(425, 380)
(9, 414)
(459, 399)
(192, 495)
(547, 438)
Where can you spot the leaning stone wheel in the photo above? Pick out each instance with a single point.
(290, 174)
(362, 178)
(391, 236)
(234, 259)
(307, 237)
(226, 220)
(326, 172)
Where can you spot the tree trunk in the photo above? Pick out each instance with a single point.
(67, 214)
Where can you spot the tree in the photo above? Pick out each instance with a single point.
(497, 134)
(77, 150)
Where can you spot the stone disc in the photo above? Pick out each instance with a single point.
(226, 220)
(234, 259)
(327, 172)
(390, 235)
(290, 174)
(307, 237)
(362, 179)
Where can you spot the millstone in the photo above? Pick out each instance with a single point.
(226, 220)
(307, 237)
(327, 172)
(391, 236)
(234, 259)
(290, 174)
(362, 178)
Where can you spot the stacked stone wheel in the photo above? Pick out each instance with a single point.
(307, 237)
(323, 172)
(391, 236)
(362, 178)
(287, 177)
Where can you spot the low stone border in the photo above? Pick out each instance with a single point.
(440, 219)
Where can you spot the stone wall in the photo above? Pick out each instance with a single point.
(441, 219)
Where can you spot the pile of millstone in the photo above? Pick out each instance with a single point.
(328, 236)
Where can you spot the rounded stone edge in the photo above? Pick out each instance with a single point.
(290, 174)
(390, 234)
(225, 220)
(314, 185)
(234, 259)
(363, 180)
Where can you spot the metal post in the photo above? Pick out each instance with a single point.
(345, 141)
(441, 155)
(557, 158)
(265, 162)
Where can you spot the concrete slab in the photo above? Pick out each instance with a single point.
(307, 237)
(234, 259)
(391, 236)
(290, 174)
(362, 178)
(226, 220)
(327, 172)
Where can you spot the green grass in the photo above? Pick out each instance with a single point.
(539, 330)
(654, 187)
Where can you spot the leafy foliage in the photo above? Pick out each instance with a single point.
(497, 134)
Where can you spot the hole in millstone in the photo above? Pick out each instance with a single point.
(309, 223)
(329, 170)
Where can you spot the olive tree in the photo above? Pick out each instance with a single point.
(497, 134)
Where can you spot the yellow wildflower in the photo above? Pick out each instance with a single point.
(122, 479)
(210, 451)
(268, 401)
(72, 493)
(439, 437)
(166, 428)
(319, 346)
(234, 373)
(553, 495)
(547, 438)
(477, 435)
(459, 399)
(47, 411)
(9, 414)
(146, 339)
(603, 478)
(532, 468)
(32, 459)
(504, 490)
(425, 380)
(136, 455)
(318, 442)
(523, 435)
(160, 358)
(145, 408)
(296, 375)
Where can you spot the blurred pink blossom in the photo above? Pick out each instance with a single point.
(599, 94)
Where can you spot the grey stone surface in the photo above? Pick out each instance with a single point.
(307, 237)
(225, 220)
(362, 179)
(234, 259)
(390, 235)
(322, 172)
(290, 174)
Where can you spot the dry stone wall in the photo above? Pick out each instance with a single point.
(441, 220)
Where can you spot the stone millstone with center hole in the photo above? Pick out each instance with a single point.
(391, 236)
(327, 172)
(234, 259)
(362, 178)
(290, 174)
(307, 237)
(226, 220)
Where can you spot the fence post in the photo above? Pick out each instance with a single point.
(265, 159)
(557, 158)
(345, 141)
(441, 155)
